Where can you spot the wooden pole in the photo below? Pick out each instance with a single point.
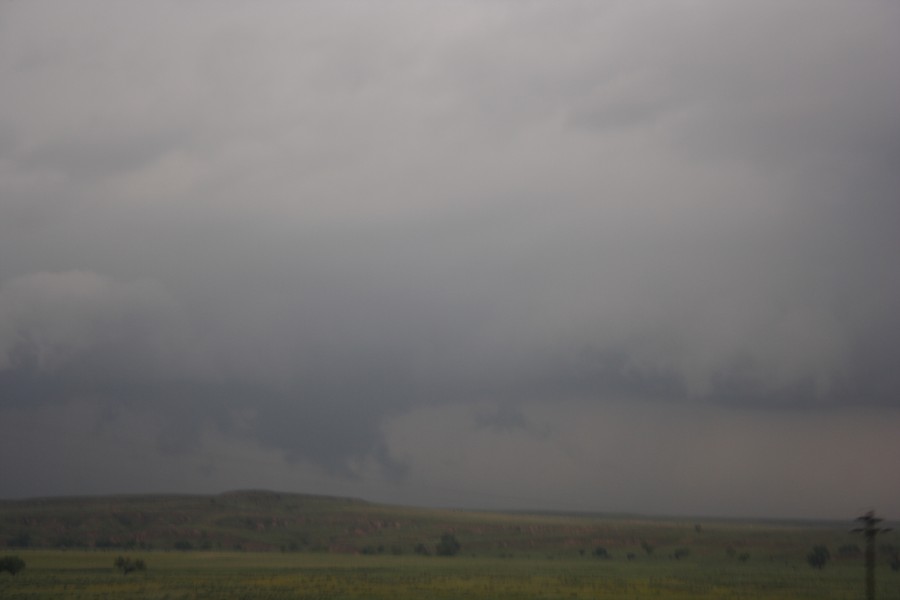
(870, 530)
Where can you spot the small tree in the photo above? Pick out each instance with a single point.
(647, 547)
(818, 556)
(13, 564)
(127, 565)
(448, 546)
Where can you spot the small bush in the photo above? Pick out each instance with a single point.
(13, 564)
(448, 546)
(818, 557)
(127, 565)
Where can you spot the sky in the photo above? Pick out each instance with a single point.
(601, 255)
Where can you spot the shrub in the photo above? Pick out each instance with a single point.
(13, 564)
(681, 553)
(818, 557)
(448, 546)
(127, 565)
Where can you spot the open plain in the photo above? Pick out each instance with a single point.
(269, 545)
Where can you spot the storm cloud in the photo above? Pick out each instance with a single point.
(590, 255)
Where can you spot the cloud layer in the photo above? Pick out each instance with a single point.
(327, 236)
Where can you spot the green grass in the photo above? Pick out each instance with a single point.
(296, 546)
(227, 575)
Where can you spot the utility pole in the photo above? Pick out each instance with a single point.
(870, 530)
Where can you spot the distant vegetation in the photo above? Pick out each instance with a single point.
(261, 521)
(11, 564)
(128, 565)
(268, 545)
(818, 557)
(448, 546)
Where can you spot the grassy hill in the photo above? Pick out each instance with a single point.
(270, 521)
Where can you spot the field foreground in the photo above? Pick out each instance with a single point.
(183, 575)
(257, 544)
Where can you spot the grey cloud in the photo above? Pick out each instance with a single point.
(288, 227)
(52, 320)
(619, 454)
(78, 335)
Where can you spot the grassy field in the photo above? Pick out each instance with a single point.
(183, 575)
(273, 522)
(271, 545)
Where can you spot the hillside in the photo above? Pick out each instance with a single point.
(271, 521)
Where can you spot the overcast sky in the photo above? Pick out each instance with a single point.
(602, 255)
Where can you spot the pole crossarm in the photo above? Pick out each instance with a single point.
(870, 529)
